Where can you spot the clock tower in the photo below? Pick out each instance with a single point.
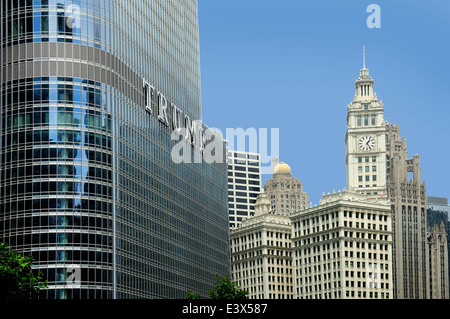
(365, 139)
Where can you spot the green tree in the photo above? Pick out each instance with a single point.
(191, 295)
(225, 289)
(17, 280)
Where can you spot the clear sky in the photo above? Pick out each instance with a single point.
(292, 65)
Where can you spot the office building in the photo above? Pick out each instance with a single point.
(261, 250)
(365, 139)
(438, 204)
(342, 248)
(95, 98)
(244, 185)
(284, 191)
(407, 195)
(438, 212)
(377, 165)
(261, 253)
(438, 263)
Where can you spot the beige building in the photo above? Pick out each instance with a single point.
(261, 253)
(438, 253)
(284, 191)
(407, 196)
(365, 139)
(378, 166)
(342, 248)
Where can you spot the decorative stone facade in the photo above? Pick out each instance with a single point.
(438, 252)
(261, 253)
(408, 203)
(342, 248)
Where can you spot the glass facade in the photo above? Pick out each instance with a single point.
(88, 185)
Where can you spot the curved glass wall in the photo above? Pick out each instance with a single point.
(88, 184)
(57, 179)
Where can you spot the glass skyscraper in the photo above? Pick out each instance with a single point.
(91, 94)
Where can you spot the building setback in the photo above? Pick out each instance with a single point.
(93, 97)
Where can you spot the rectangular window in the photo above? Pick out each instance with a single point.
(44, 24)
(374, 159)
(367, 169)
(367, 178)
(373, 119)
(374, 177)
(359, 159)
(366, 120)
(359, 169)
(61, 23)
(37, 23)
(358, 119)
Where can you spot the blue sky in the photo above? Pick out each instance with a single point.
(292, 65)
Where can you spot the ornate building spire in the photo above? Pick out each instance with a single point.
(364, 84)
(364, 72)
(364, 56)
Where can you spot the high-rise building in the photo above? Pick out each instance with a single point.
(438, 215)
(261, 253)
(365, 139)
(438, 253)
(439, 204)
(95, 96)
(284, 191)
(342, 248)
(261, 250)
(407, 197)
(377, 165)
(244, 184)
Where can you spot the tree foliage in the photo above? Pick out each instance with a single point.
(192, 295)
(223, 288)
(17, 280)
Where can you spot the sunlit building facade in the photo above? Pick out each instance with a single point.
(342, 248)
(261, 253)
(91, 95)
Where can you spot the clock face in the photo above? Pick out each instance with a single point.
(366, 143)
